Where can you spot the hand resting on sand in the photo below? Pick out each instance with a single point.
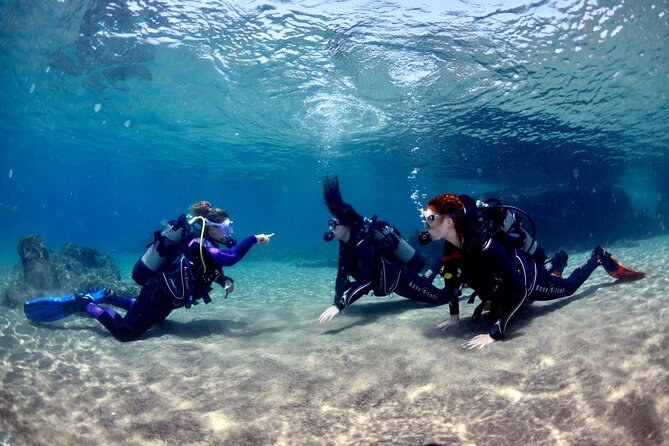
(328, 314)
(478, 342)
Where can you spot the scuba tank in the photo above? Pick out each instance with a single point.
(165, 245)
(394, 245)
(512, 225)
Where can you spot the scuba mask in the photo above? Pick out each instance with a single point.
(225, 225)
(328, 236)
(226, 231)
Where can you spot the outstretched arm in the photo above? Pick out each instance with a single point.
(228, 257)
(347, 292)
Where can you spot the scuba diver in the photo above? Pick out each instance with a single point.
(176, 270)
(501, 269)
(374, 255)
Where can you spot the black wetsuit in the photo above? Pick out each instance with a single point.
(361, 259)
(155, 302)
(507, 279)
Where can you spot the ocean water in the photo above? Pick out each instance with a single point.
(116, 115)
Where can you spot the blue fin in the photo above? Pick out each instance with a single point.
(49, 309)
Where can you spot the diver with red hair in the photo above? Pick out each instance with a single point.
(505, 277)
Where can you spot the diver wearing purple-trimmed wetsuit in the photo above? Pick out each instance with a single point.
(154, 302)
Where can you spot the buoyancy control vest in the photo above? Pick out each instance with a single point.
(393, 245)
(189, 276)
(513, 228)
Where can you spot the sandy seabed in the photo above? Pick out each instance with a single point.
(255, 369)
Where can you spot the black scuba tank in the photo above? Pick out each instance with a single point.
(394, 244)
(512, 226)
(166, 245)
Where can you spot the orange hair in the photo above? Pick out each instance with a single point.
(449, 204)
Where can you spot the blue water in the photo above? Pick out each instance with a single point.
(116, 115)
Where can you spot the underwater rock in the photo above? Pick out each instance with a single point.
(35, 261)
(72, 269)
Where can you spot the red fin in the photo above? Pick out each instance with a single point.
(624, 273)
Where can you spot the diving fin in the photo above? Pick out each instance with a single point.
(616, 269)
(49, 309)
(624, 273)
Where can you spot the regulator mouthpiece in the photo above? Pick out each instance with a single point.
(229, 242)
(424, 238)
(328, 236)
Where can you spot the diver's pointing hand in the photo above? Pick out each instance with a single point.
(263, 239)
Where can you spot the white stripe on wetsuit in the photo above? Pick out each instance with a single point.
(351, 292)
(527, 292)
